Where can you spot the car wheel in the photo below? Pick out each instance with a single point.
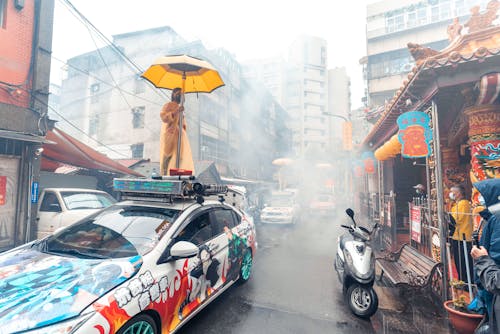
(246, 266)
(141, 324)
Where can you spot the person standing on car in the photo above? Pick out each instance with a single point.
(169, 136)
(461, 213)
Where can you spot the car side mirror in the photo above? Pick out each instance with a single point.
(184, 249)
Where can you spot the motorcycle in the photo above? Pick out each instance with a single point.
(355, 266)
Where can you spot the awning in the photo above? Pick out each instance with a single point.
(69, 151)
(389, 150)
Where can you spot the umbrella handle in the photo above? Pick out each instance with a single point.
(181, 114)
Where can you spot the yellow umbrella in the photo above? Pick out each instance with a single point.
(282, 161)
(191, 74)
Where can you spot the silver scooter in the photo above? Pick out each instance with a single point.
(355, 265)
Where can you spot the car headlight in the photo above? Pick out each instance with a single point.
(64, 327)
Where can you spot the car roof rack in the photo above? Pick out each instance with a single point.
(165, 189)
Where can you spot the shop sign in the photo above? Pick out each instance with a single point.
(416, 222)
(3, 189)
(414, 134)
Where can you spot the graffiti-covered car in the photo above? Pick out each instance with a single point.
(144, 265)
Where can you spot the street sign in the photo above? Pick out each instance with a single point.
(34, 192)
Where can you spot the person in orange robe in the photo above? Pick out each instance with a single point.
(169, 136)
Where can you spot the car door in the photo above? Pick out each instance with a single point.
(49, 214)
(199, 231)
(227, 239)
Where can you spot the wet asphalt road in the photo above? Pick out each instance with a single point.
(293, 288)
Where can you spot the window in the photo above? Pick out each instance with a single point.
(137, 151)
(139, 85)
(3, 13)
(93, 124)
(50, 203)
(222, 218)
(94, 88)
(138, 117)
(198, 231)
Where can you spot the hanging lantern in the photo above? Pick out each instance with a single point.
(414, 134)
(369, 162)
(358, 168)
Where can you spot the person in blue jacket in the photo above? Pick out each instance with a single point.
(490, 198)
(489, 191)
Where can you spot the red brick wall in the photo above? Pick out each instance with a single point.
(15, 53)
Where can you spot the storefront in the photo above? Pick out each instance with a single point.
(458, 90)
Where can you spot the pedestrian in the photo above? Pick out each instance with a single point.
(420, 191)
(489, 276)
(169, 136)
(462, 215)
(489, 199)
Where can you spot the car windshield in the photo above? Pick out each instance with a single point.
(281, 200)
(119, 231)
(90, 200)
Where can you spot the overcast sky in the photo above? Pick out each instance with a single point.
(248, 29)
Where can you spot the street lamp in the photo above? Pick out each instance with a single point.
(347, 145)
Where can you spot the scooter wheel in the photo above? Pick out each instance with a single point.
(362, 299)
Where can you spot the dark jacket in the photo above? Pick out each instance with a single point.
(489, 274)
(490, 238)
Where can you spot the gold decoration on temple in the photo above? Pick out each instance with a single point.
(479, 21)
(420, 53)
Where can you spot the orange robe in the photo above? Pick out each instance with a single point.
(169, 137)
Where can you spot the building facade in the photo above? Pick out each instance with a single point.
(391, 25)
(25, 44)
(113, 109)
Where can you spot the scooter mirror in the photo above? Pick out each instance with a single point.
(350, 213)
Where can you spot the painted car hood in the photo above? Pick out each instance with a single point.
(38, 289)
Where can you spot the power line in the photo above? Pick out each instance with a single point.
(87, 23)
(77, 128)
(104, 81)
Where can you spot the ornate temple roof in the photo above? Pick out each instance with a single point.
(462, 60)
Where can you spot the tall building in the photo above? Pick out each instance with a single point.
(391, 25)
(25, 48)
(114, 110)
(307, 94)
(307, 90)
(339, 104)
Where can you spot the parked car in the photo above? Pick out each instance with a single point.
(280, 208)
(147, 264)
(322, 205)
(60, 207)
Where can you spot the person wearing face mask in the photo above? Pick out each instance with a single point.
(461, 213)
(420, 192)
(489, 198)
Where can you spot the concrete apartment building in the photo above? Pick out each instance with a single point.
(307, 90)
(391, 25)
(306, 94)
(114, 110)
(25, 47)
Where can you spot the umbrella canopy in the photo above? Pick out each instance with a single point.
(282, 161)
(192, 74)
